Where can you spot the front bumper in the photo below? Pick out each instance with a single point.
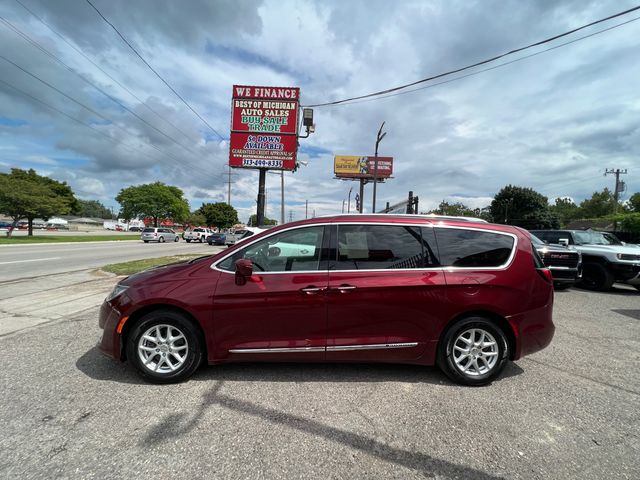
(565, 274)
(626, 272)
(108, 321)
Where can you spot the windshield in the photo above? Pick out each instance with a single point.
(596, 238)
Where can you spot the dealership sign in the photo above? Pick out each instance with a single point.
(264, 127)
(351, 166)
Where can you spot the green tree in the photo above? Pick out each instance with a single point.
(599, 205)
(631, 222)
(155, 200)
(634, 202)
(253, 220)
(565, 209)
(195, 218)
(93, 208)
(523, 207)
(220, 215)
(456, 209)
(25, 194)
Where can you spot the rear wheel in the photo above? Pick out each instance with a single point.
(473, 351)
(177, 239)
(200, 239)
(165, 347)
(161, 239)
(146, 241)
(188, 240)
(596, 276)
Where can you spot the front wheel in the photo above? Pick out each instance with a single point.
(177, 239)
(596, 276)
(165, 347)
(200, 239)
(188, 240)
(161, 240)
(473, 351)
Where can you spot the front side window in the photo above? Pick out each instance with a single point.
(368, 247)
(473, 248)
(294, 250)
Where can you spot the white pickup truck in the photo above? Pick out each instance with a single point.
(197, 235)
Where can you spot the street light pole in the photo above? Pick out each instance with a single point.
(349, 201)
(375, 166)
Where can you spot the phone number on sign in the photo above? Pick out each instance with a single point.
(252, 162)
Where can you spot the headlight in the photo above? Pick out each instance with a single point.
(117, 291)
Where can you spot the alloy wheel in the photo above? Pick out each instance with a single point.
(163, 348)
(475, 352)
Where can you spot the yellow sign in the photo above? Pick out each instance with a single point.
(348, 165)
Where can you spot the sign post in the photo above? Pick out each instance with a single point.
(264, 132)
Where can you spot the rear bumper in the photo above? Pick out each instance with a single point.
(533, 330)
(109, 344)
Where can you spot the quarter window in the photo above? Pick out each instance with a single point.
(368, 247)
(290, 251)
(473, 248)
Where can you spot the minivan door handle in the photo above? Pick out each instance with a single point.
(311, 290)
(344, 288)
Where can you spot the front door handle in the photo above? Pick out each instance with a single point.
(311, 290)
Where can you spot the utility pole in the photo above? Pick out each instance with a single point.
(261, 200)
(375, 166)
(343, 205)
(349, 201)
(361, 196)
(229, 182)
(290, 216)
(620, 185)
(306, 209)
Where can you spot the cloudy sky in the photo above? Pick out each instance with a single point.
(552, 122)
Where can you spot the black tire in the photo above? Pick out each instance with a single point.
(596, 276)
(177, 239)
(146, 241)
(562, 286)
(188, 240)
(200, 239)
(193, 340)
(445, 356)
(161, 239)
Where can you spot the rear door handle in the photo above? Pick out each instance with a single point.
(344, 288)
(311, 290)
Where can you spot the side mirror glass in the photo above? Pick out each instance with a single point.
(564, 242)
(244, 269)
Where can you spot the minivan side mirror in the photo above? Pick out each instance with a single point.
(563, 241)
(244, 269)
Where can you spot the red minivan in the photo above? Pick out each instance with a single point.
(465, 295)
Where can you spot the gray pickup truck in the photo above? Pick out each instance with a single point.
(605, 259)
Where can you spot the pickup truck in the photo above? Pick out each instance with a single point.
(197, 235)
(565, 262)
(605, 259)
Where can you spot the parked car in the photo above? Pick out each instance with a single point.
(605, 259)
(466, 296)
(135, 229)
(197, 234)
(243, 234)
(217, 239)
(161, 235)
(564, 262)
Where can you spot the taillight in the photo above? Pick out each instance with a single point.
(545, 273)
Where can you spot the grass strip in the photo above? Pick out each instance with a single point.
(135, 266)
(65, 238)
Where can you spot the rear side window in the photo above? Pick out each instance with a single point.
(149, 230)
(473, 248)
(367, 247)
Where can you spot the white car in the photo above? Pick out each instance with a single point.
(199, 234)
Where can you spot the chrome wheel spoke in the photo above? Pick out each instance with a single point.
(148, 349)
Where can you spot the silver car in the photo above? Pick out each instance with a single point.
(161, 235)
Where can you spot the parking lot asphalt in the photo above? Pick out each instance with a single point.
(570, 411)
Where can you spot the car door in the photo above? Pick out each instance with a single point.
(385, 288)
(280, 311)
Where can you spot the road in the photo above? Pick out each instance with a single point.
(569, 411)
(20, 261)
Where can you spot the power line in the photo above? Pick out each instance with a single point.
(154, 71)
(482, 62)
(34, 43)
(500, 65)
(88, 108)
(65, 40)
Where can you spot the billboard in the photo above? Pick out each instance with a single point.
(249, 150)
(351, 166)
(264, 127)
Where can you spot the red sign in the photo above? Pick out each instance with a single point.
(263, 151)
(264, 127)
